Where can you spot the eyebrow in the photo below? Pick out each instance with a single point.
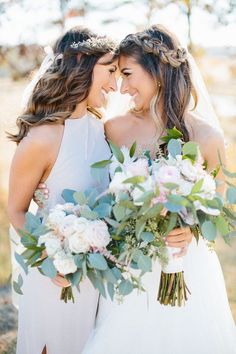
(125, 69)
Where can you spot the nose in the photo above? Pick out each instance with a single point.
(123, 87)
(113, 84)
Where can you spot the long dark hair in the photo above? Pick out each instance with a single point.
(160, 54)
(66, 83)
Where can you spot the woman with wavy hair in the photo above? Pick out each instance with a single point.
(156, 73)
(59, 136)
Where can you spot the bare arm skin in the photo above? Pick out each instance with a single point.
(32, 163)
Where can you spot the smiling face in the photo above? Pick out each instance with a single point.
(104, 80)
(137, 82)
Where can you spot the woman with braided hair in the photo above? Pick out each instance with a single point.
(59, 136)
(156, 73)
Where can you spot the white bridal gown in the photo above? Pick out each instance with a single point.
(142, 326)
(43, 318)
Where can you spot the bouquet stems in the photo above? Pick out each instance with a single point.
(173, 289)
(67, 294)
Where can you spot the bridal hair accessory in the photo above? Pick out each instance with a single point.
(47, 62)
(95, 44)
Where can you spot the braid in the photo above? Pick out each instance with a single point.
(174, 57)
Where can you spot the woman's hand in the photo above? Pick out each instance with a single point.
(61, 281)
(41, 194)
(180, 238)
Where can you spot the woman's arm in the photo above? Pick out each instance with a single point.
(29, 164)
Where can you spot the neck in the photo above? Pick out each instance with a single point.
(80, 110)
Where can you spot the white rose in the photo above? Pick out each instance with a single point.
(68, 225)
(64, 263)
(53, 245)
(78, 243)
(97, 234)
(81, 224)
(54, 218)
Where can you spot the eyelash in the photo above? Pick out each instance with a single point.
(126, 74)
(112, 71)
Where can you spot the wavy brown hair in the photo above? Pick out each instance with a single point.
(66, 83)
(159, 53)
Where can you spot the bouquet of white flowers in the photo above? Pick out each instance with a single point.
(73, 241)
(151, 198)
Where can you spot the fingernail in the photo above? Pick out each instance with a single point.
(167, 243)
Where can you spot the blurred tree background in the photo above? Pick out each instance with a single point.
(206, 27)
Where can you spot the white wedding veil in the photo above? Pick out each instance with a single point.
(204, 108)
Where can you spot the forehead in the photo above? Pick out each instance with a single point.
(108, 59)
(127, 62)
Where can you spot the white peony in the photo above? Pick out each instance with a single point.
(53, 245)
(68, 225)
(64, 263)
(185, 187)
(78, 243)
(54, 218)
(97, 234)
(138, 168)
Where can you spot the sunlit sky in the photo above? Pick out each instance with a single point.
(31, 23)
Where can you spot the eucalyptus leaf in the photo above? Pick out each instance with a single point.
(231, 195)
(208, 230)
(48, 268)
(80, 198)
(117, 273)
(190, 149)
(174, 147)
(110, 290)
(135, 180)
(139, 227)
(97, 261)
(112, 222)
(17, 288)
(145, 263)
(101, 164)
(109, 276)
(76, 277)
(197, 186)
(117, 152)
(119, 212)
(67, 195)
(79, 259)
(132, 149)
(103, 210)
(222, 225)
(88, 214)
(21, 262)
(32, 222)
(147, 236)
(125, 287)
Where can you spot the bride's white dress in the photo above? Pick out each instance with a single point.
(142, 326)
(43, 318)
